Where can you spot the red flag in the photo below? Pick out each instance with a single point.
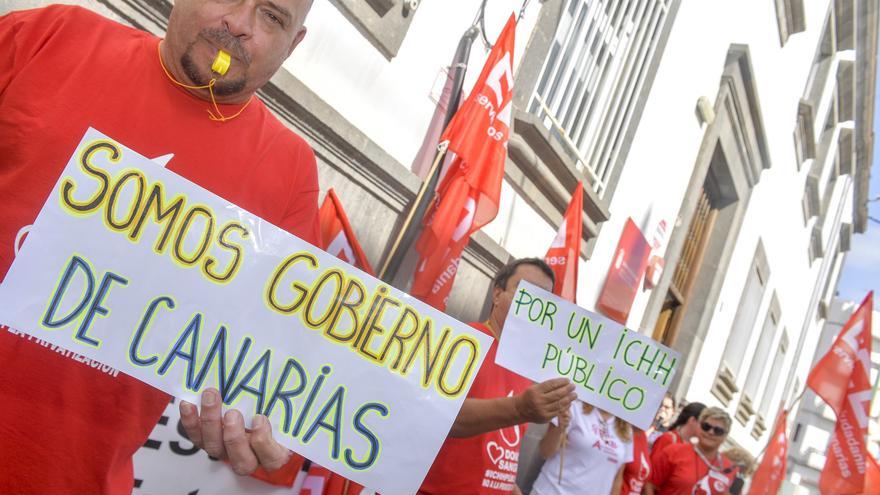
(321, 481)
(768, 478)
(337, 236)
(872, 478)
(565, 252)
(468, 196)
(841, 379)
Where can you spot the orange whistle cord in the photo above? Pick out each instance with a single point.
(219, 117)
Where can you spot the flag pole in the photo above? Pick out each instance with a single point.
(407, 223)
(408, 231)
(562, 454)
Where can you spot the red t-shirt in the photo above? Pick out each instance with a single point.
(679, 470)
(669, 438)
(68, 425)
(487, 463)
(637, 472)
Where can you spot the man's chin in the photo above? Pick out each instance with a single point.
(230, 87)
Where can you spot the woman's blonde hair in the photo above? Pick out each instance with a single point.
(741, 457)
(621, 427)
(716, 413)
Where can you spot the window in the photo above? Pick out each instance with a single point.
(759, 362)
(790, 18)
(773, 380)
(743, 323)
(592, 77)
(383, 22)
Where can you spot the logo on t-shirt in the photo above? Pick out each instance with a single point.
(606, 443)
(502, 450)
(19, 238)
(714, 483)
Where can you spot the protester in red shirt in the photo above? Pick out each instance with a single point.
(686, 426)
(482, 454)
(67, 424)
(700, 469)
(662, 420)
(637, 472)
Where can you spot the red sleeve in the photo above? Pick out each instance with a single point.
(24, 33)
(659, 445)
(661, 467)
(283, 476)
(18, 32)
(301, 215)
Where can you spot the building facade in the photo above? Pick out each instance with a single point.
(736, 135)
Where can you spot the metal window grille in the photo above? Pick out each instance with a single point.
(593, 75)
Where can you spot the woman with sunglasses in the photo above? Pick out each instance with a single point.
(590, 460)
(695, 468)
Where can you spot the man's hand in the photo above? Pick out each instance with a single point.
(543, 401)
(226, 438)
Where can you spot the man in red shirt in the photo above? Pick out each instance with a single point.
(65, 69)
(482, 454)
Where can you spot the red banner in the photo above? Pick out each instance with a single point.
(627, 267)
(842, 379)
(872, 478)
(468, 196)
(337, 236)
(767, 480)
(564, 254)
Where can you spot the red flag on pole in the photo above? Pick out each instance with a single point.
(842, 379)
(768, 478)
(468, 196)
(872, 478)
(565, 252)
(337, 236)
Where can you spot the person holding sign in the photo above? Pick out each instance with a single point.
(69, 424)
(482, 455)
(695, 469)
(587, 447)
(637, 472)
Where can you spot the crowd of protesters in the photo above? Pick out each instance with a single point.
(83, 442)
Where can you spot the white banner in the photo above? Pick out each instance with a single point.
(133, 266)
(169, 464)
(613, 368)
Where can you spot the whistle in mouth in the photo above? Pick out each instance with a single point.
(221, 62)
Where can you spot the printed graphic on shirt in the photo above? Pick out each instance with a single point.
(714, 483)
(636, 484)
(606, 443)
(501, 458)
(103, 368)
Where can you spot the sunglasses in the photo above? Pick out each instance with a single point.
(714, 430)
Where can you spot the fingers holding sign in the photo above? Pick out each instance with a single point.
(543, 401)
(225, 437)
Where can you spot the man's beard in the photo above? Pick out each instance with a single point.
(230, 44)
(220, 88)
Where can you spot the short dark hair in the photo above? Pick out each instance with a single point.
(508, 270)
(691, 410)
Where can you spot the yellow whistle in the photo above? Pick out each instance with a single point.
(221, 63)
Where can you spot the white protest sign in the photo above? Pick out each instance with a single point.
(133, 266)
(613, 368)
(169, 464)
